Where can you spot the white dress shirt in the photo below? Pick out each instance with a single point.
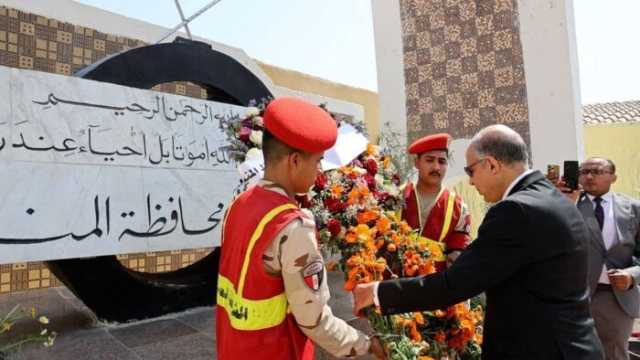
(516, 181)
(609, 229)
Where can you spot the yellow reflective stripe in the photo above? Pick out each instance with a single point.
(256, 235)
(245, 314)
(448, 215)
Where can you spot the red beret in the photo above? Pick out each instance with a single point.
(430, 142)
(300, 124)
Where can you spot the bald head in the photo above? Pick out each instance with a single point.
(502, 143)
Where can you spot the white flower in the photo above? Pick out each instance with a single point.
(253, 152)
(351, 212)
(334, 176)
(43, 332)
(392, 189)
(50, 339)
(358, 170)
(324, 216)
(256, 137)
(312, 194)
(43, 320)
(370, 202)
(252, 111)
(257, 120)
(379, 179)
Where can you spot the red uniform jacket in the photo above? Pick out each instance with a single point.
(441, 221)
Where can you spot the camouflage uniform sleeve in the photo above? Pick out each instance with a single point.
(305, 282)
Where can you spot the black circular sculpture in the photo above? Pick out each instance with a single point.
(112, 291)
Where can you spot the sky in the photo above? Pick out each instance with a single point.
(333, 39)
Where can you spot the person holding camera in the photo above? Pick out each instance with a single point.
(614, 223)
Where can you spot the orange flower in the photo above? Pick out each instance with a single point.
(357, 194)
(467, 327)
(380, 264)
(456, 342)
(386, 162)
(366, 216)
(418, 318)
(405, 228)
(395, 238)
(478, 338)
(371, 149)
(331, 265)
(363, 232)
(414, 333)
(336, 191)
(383, 224)
(351, 237)
(426, 268)
(354, 260)
(350, 284)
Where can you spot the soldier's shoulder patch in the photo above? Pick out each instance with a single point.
(313, 274)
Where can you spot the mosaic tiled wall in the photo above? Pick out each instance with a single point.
(463, 66)
(34, 42)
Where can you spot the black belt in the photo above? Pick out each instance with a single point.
(604, 287)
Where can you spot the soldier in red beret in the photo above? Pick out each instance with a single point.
(272, 285)
(438, 212)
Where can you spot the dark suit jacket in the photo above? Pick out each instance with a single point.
(530, 258)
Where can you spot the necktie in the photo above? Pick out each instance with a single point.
(599, 212)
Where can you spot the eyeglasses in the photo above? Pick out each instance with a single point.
(594, 172)
(469, 169)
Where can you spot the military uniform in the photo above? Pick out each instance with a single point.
(294, 250)
(272, 292)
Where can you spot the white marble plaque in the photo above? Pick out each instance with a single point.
(91, 168)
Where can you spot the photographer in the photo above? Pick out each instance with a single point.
(614, 221)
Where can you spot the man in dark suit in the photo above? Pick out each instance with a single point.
(530, 258)
(614, 223)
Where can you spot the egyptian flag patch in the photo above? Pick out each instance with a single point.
(312, 274)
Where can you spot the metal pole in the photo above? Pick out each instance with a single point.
(188, 20)
(186, 27)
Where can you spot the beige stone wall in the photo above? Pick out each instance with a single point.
(618, 142)
(463, 66)
(302, 82)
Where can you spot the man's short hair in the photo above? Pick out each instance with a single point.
(273, 149)
(610, 163)
(506, 145)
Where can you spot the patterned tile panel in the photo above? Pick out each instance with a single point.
(463, 66)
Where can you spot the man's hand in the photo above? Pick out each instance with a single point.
(377, 349)
(362, 297)
(571, 194)
(620, 279)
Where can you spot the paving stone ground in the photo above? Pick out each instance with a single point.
(186, 335)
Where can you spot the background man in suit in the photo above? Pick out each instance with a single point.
(614, 223)
(530, 257)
